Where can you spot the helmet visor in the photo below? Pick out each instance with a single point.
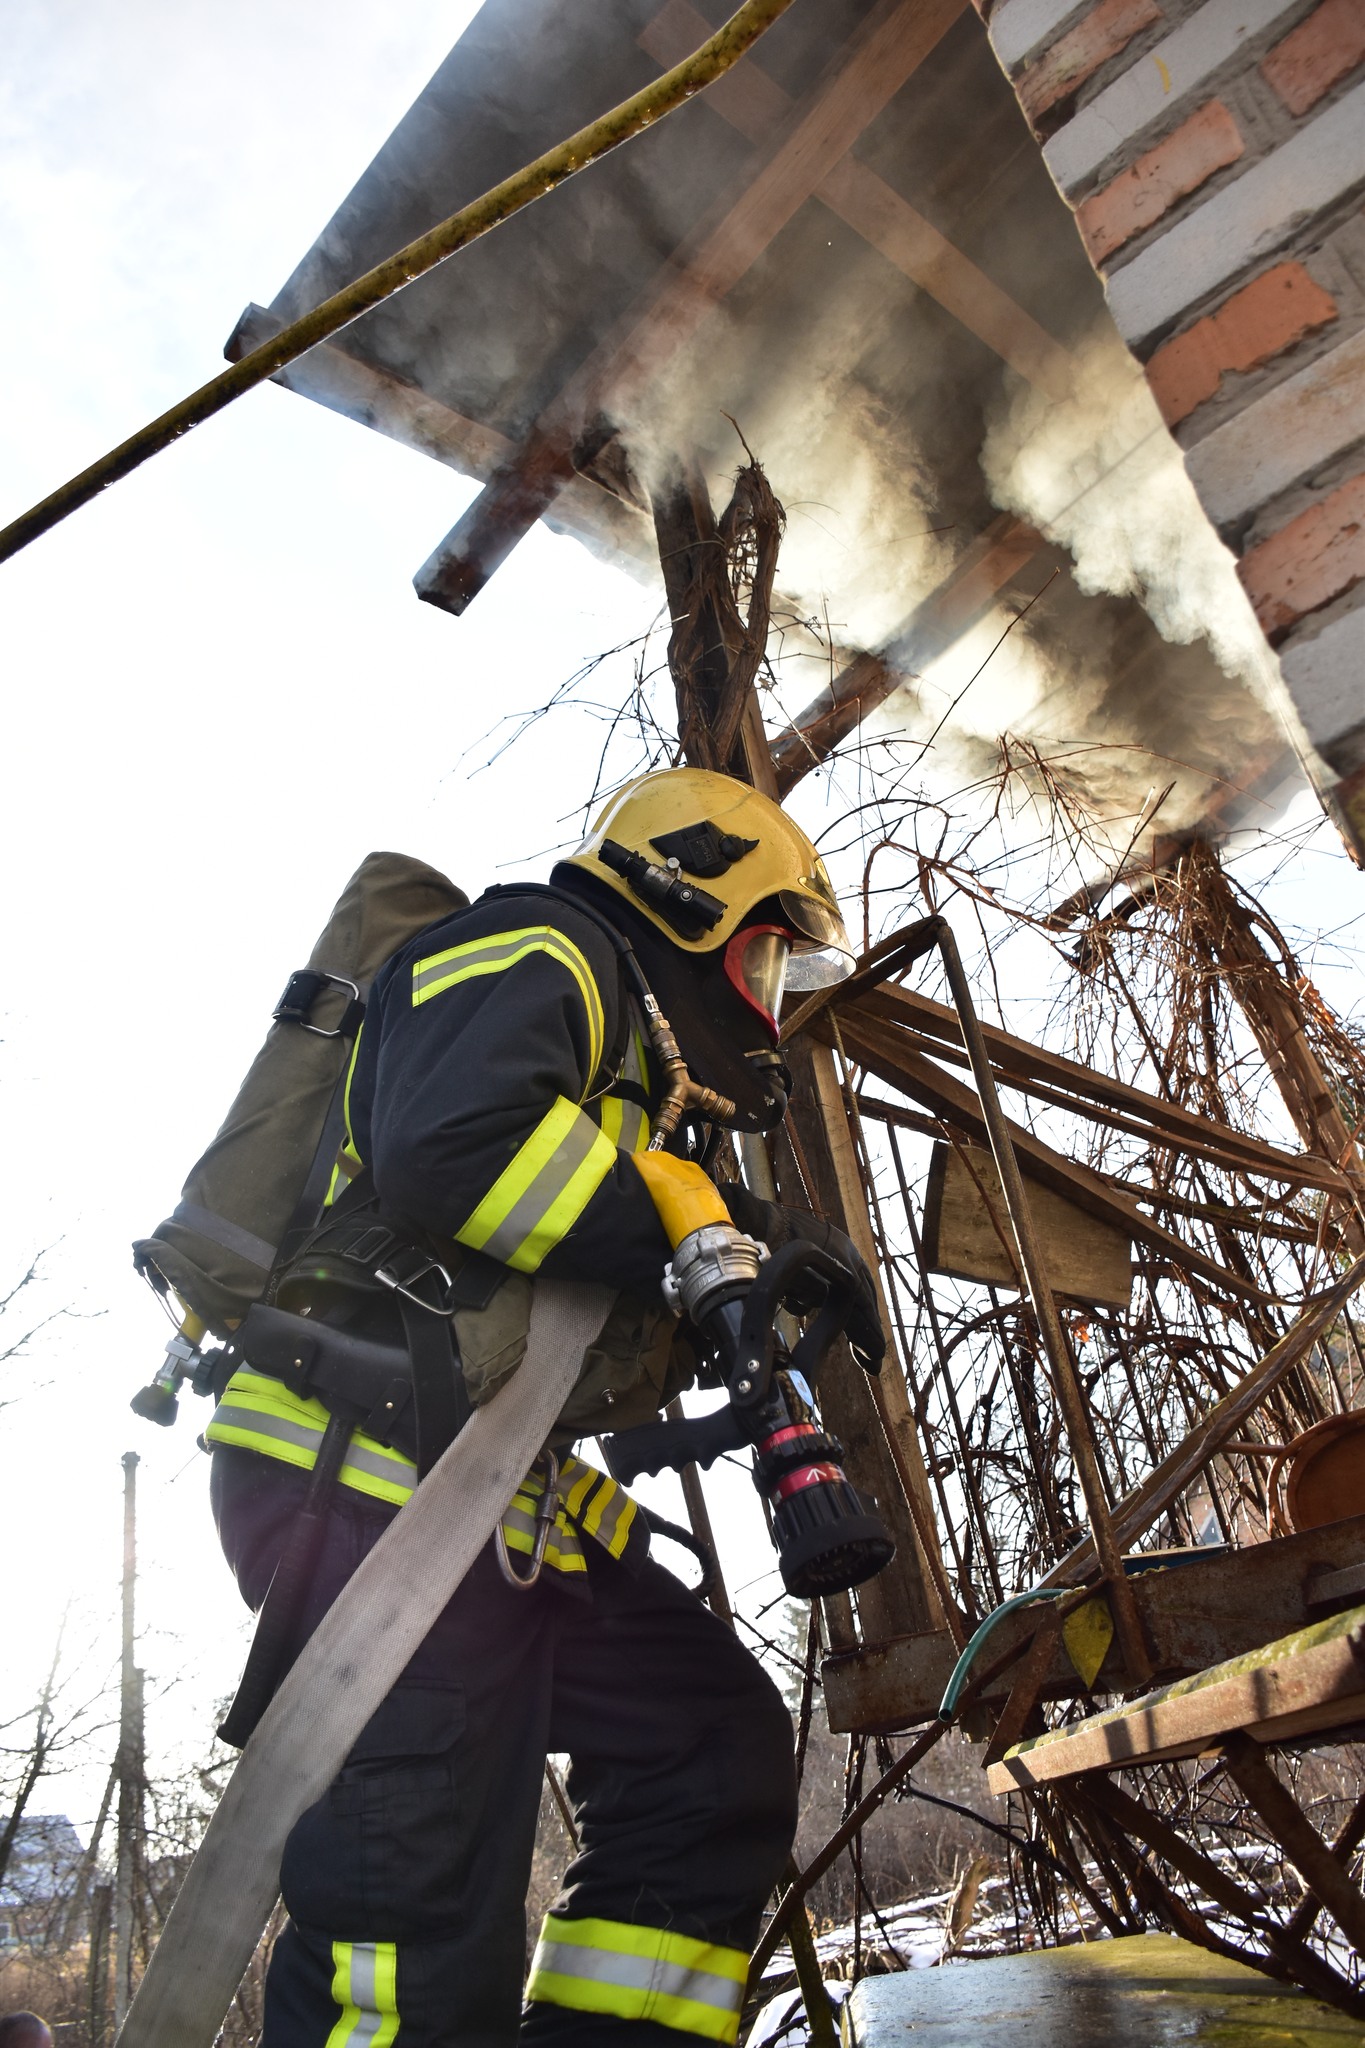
(822, 954)
(756, 963)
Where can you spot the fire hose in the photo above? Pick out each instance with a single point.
(344, 1673)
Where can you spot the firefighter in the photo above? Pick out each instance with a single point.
(500, 1087)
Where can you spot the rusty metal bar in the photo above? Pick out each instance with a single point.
(1064, 1377)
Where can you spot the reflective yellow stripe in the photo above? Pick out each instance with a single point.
(624, 1123)
(538, 1198)
(562, 1550)
(348, 1160)
(261, 1414)
(579, 1480)
(640, 1973)
(609, 1110)
(365, 1986)
(609, 1517)
(501, 950)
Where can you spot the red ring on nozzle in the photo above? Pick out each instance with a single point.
(808, 1475)
(784, 1436)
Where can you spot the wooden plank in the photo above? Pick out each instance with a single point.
(882, 53)
(1022, 1065)
(1318, 1672)
(1197, 1611)
(885, 1053)
(967, 1232)
(753, 102)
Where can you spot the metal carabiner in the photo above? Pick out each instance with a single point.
(407, 1287)
(547, 1507)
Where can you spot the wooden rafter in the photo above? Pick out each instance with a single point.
(753, 102)
(1050, 1077)
(872, 67)
(976, 579)
(888, 1054)
(592, 508)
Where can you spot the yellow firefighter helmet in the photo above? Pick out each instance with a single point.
(698, 853)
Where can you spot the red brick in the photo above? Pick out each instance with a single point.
(1260, 321)
(1317, 53)
(1310, 561)
(1074, 57)
(1150, 187)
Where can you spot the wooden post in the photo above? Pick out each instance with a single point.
(883, 1455)
(1268, 1003)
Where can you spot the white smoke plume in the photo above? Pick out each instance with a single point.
(1101, 474)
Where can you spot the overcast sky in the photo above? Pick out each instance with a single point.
(222, 693)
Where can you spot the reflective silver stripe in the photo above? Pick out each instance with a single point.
(637, 1973)
(391, 1467)
(231, 1236)
(609, 1523)
(634, 1127)
(365, 1995)
(554, 1176)
(563, 1552)
(301, 1435)
(633, 1065)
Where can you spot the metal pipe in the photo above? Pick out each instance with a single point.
(1034, 1267)
(673, 89)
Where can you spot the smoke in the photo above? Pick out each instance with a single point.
(1100, 474)
(864, 538)
(1140, 671)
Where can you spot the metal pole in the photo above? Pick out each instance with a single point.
(129, 1759)
(1034, 1267)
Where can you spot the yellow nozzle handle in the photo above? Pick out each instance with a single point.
(681, 1192)
(192, 1327)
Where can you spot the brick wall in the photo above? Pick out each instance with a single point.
(1214, 154)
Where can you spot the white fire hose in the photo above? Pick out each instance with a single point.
(344, 1672)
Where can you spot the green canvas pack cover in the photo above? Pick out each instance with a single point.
(217, 1247)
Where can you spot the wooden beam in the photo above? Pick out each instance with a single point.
(853, 695)
(886, 1054)
(605, 520)
(976, 579)
(753, 102)
(888, 1388)
(901, 1600)
(1306, 1683)
(1296, 1835)
(885, 49)
(1198, 1610)
(1033, 1070)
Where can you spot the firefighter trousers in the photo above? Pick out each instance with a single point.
(406, 1883)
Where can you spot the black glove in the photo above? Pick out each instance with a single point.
(775, 1225)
